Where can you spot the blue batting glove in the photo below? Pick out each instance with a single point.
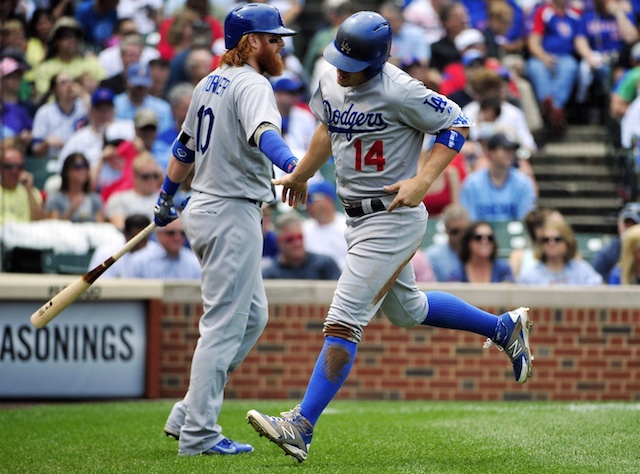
(164, 212)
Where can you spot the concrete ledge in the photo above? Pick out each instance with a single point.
(41, 287)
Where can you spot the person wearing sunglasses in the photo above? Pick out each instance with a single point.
(443, 257)
(147, 177)
(294, 262)
(171, 259)
(20, 200)
(75, 201)
(558, 260)
(479, 257)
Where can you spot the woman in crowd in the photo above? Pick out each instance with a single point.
(75, 201)
(627, 271)
(558, 263)
(479, 257)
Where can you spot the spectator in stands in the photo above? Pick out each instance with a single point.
(426, 15)
(605, 28)
(408, 41)
(627, 271)
(160, 70)
(102, 129)
(422, 267)
(75, 201)
(15, 114)
(504, 33)
(609, 255)
(625, 88)
(20, 200)
(66, 53)
(179, 98)
(558, 263)
(444, 257)
(524, 258)
(38, 30)
(116, 58)
(324, 230)
(171, 259)
(298, 122)
(145, 14)
(335, 12)
(198, 64)
(454, 18)
(142, 198)
(499, 192)
(552, 66)
(137, 97)
(167, 46)
(133, 225)
(57, 120)
(146, 123)
(98, 19)
(479, 262)
(294, 262)
(129, 52)
(198, 38)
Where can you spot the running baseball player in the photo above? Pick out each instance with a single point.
(231, 134)
(373, 117)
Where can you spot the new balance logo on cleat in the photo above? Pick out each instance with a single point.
(513, 337)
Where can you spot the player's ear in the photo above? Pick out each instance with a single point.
(254, 40)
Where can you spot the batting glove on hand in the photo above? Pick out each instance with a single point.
(164, 212)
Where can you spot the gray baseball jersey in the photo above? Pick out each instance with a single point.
(377, 128)
(227, 107)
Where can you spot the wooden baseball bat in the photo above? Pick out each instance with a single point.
(69, 294)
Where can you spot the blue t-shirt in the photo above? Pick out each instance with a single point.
(316, 267)
(602, 31)
(444, 261)
(484, 201)
(97, 28)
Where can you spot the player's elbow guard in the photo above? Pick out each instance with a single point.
(277, 150)
(184, 148)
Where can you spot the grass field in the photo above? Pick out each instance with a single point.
(351, 437)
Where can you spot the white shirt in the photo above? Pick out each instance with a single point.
(129, 202)
(50, 120)
(111, 60)
(327, 239)
(105, 251)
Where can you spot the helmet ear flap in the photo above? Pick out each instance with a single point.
(363, 41)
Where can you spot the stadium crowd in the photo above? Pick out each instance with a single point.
(95, 91)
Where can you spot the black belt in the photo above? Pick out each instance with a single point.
(356, 209)
(257, 203)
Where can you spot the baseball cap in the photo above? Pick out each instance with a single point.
(471, 55)
(138, 74)
(102, 95)
(631, 210)
(501, 140)
(145, 118)
(467, 38)
(64, 24)
(287, 84)
(319, 190)
(9, 66)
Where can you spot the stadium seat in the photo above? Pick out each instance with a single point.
(41, 168)
(509, 235)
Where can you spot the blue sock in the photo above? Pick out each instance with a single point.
(448, 311)
(331, 370)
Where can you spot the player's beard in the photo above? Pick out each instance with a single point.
(269, 62)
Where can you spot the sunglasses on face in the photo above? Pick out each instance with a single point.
(481, 237)
(148, 176)
(13, 167)
(80, 166)
(173, 233)
(547, 240)
(292, 238)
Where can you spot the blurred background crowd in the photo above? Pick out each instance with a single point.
(95, 91)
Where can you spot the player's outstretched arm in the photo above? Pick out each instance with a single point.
(295, 184)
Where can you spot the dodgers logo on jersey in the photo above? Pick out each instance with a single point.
(351, 121)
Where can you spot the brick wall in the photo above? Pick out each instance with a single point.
(590, 353)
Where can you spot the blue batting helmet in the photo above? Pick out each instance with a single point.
(363, 40)
(253, 18)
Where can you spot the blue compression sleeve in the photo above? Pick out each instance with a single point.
(276, 149)
(329, 374)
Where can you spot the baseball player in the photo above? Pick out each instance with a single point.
(231, 134)
(372, 119)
